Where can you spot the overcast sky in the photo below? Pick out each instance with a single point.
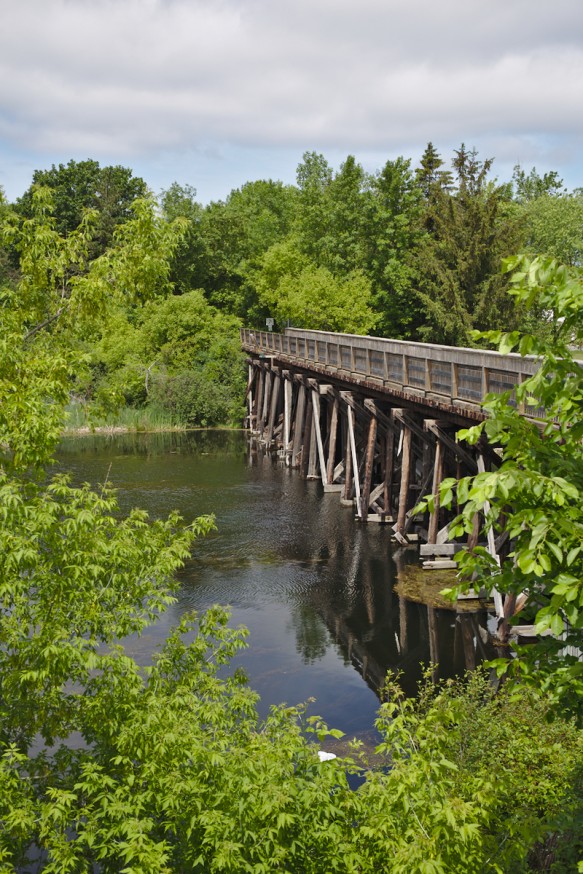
(214, 93)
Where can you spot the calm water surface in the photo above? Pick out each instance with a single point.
(314, 588)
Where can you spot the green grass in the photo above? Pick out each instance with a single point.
(128, 418)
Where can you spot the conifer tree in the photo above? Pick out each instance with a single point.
(469, 230)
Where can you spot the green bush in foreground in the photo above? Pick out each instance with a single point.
(176, 773)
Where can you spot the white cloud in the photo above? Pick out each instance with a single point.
(128, 78)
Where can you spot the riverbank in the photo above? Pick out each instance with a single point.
(87, 431)
(112, 430)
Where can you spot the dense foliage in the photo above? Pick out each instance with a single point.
(536, 492)
(406, 252)
(177, 354)
(105, 766)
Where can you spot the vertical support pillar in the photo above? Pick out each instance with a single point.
(265, 407)
(508, 613)
(468, 634)
(370, 449)
(313, 454)
(474, 535)
(498, 604)
(259, 399)
(251, 383)
(405, 475)
(273, 407)
(287, 406)
(298, 425)
(428, 457)
(304, 466)
(347, 492)
(318, 433)
(437, 478)
(389, 470)
(354, 457)
(332, 441)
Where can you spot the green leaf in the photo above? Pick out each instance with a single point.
(508, 342)
(556, 550)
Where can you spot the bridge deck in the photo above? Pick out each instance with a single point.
(441, 377)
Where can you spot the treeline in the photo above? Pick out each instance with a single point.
(406, 252)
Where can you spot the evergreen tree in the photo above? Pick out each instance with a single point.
(469, 230)
(429, 174)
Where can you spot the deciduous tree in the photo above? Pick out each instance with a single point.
(83, 185)
(394, 234)
(554, 227)
(293, 289)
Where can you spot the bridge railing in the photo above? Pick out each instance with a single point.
(446, 374)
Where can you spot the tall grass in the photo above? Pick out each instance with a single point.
(128, 418)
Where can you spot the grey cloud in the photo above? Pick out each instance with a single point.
(136, 76)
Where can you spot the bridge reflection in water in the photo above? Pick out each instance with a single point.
(376, 420)
(377, 627)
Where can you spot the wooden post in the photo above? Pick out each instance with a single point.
(370, 448)
(347, 493)
(306, 442)
(437, 478)
(313, 456)
(352, 440)
(474, 535)
(466, 622)
(428, 456)
(251, 372)
(273, 407)
(259, 399)
(287, 405)
(389, 471)
(255, 397)
(405, 475)
(266, 399)
(316, 404)
(508, 613)
(332, 441)
(298, 425)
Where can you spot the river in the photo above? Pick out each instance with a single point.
(314, 587)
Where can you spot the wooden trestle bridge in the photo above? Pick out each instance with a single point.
(376, 420)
